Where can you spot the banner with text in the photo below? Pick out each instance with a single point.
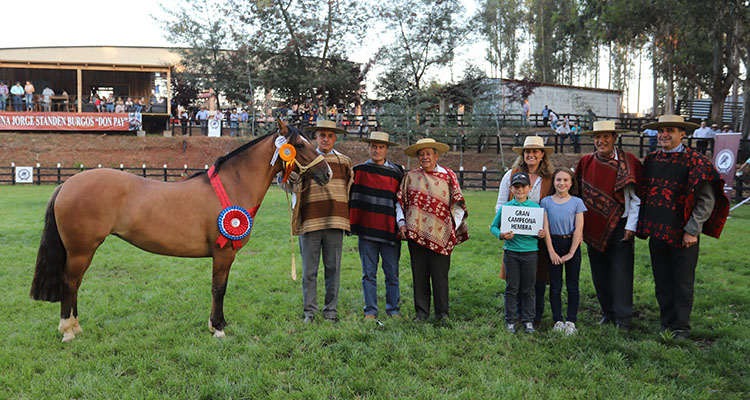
(51, 121)
(522, 220)
(726, 146)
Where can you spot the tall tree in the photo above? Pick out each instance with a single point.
(427, 33)
(499, 23)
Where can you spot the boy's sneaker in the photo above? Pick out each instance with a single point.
(559, 327)
(528, 327)
(570, 328)
(510, 328)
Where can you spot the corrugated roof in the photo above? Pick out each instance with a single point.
(105, 55)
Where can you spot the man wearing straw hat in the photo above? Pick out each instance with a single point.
(373, 212)
(434, 223)
(682, 196)
(608, 180)
(321, 216)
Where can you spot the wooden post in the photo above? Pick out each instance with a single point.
(79, 89)
(169, 92)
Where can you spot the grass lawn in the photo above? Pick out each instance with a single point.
(145, 326)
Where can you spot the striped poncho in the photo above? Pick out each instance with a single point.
(372, 201)
(324, 207)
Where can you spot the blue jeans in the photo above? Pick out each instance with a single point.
(572, 271)
(369, 251)
(110, 107)
(29, 101)
(520, 276)
(233, 125)
(3, 103)
(17, 102)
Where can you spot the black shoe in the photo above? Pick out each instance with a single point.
(605, 320)
(442, 317)
(308, 319)
(624, 328)
(420, 318)
(682, 334)
(332, 320)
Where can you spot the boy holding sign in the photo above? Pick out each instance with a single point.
(519, 222)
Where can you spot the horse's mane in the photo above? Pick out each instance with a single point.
(292, 134)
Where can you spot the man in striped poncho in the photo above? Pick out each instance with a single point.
(373, 211)
(321, 216)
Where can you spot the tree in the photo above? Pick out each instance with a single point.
(300, 47)
(427, 35)
(199, 26)
(499, 22)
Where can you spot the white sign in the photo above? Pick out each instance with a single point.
(522, 220)
(214, 128)
(24, 174)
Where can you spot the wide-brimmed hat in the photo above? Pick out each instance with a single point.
(324, 124)
(534, 142)
(604, 127)
(412, 150)
(381, 138)
(672, 120)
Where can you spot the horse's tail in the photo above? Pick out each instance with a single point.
(50, 260)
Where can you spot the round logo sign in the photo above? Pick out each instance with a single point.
(23, 174)
(214, 124)
(725, 161)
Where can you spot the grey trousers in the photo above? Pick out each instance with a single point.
(312, 244)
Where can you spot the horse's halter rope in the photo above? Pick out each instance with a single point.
(304, 168)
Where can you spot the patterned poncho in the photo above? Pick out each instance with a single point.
(324, 207)
(372, 201)
(427, 199)
(602, 183)
(668, 195)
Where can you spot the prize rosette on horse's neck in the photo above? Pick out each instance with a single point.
(234, 224)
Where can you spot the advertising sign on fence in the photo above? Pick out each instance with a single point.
(214, 128)
(24, 175)
(522, 220)
(57, 121)
(725, 158)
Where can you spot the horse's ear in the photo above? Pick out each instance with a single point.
(283, 130)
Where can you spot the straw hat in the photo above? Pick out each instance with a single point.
(412, 150)
(534, 142)
(604, 127)
(672, 120)
(323, 124)
(381, 138)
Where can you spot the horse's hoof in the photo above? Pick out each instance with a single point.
(77, 328)
(68, 336)
(219, 335)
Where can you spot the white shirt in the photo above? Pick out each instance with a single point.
(632, 205)
(704, 132)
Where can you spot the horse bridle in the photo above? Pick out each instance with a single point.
(304, 168)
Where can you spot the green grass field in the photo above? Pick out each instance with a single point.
(145, 327)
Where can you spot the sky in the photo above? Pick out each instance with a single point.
(97, 23)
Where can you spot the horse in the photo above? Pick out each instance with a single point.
(170, 218)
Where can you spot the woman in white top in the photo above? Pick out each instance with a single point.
(533, 158)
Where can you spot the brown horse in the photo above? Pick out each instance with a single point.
(171, 218)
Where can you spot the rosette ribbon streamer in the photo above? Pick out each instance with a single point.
(235, 223)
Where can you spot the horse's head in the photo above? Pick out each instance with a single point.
(308, 161)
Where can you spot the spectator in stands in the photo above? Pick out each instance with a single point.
(129, 106)
(3, 96)
(29, 91)
(119, 105)
(575, 131)
(725, 129)
(563, 131)
(545, 116)
(234, 122)
(701, 136)
(17, 92)
(97, 103)
(202, 117)
(553, 118)
(652, 139)
(110, 103)
(184, 119)
(47, 94)
(140, 105)
(525, 111)
(590, 118)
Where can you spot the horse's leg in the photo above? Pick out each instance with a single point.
(222, 262)
(75, 267)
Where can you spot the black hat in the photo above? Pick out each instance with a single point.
(520, 177)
